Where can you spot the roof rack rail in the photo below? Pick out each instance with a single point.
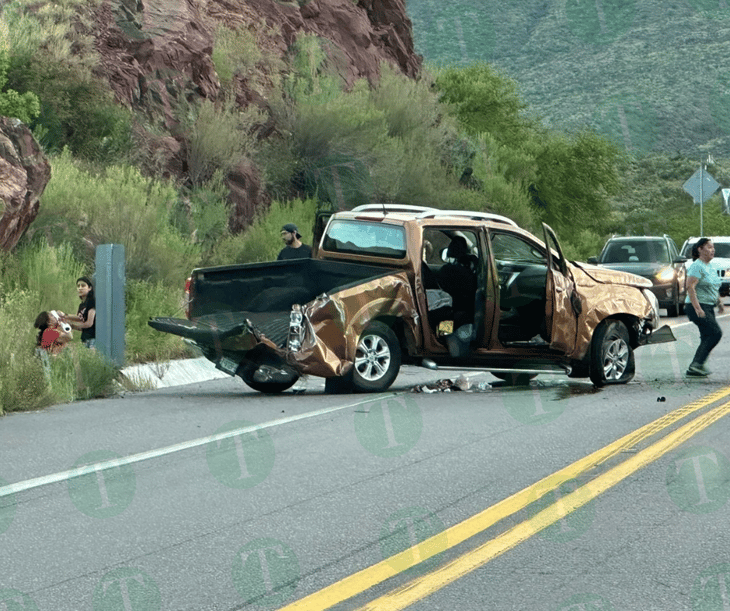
(423, 212)
(475, 216)
(392, 208)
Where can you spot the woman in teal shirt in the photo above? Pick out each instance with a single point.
(703, 286)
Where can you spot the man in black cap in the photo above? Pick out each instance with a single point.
(294, 248)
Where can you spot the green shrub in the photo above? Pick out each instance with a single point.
(23, 384)
(52, 54)
(262, 240)
(148, 300)
(116, 205)
(219, 138)
(13, 104)
(50, 273)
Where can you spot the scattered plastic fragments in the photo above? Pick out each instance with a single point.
(447, 385)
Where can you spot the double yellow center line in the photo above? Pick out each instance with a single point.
(425, 585)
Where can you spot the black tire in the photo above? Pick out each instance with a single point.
(338, 385)
(612, 358)
(579, 369)
(283, 377)
(673, 310)
(514, 379)
(377, 359)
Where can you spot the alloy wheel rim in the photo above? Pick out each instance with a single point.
(616, 359)
(372, 358)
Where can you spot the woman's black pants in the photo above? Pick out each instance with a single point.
(710, 332)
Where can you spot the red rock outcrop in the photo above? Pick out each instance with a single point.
(157, 55)
(24, 174)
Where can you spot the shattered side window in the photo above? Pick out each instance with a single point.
(509, 248)
(361, 238)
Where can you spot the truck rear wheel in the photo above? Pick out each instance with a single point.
(377, 359)
(267, 375)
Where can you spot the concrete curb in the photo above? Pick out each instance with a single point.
(172, 373)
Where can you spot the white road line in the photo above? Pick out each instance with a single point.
(62, 476)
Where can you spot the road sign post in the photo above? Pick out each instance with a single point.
(701, 186)
(110, 310)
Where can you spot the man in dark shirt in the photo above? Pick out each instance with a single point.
(294, 248)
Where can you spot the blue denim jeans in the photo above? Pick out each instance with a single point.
(710, 332)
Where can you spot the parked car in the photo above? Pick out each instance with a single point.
(388, 285)
(721, 262)
(654, 257)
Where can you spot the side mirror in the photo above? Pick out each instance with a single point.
(680, 260)
(593, 260)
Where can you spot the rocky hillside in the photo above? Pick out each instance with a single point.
(157, 56)
(654, 74)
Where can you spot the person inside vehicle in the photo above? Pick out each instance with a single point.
(458, 278)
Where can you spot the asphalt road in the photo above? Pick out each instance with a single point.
(213, 497)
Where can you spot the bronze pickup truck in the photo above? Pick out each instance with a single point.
(389, 285)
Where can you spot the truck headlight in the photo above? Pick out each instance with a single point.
(665, 274)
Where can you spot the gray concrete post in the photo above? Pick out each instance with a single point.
(110, 308)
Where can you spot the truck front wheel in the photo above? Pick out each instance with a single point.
(377, 359)
(612, 359)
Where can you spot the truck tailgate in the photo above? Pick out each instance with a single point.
(214, 329)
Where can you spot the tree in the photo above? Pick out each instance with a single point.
(25, 106)
(484, 101)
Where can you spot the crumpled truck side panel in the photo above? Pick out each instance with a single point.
(599, 304)
(333, 323)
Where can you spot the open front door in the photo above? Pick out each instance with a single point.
(562, 303)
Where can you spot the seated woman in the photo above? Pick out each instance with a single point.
(53, 335)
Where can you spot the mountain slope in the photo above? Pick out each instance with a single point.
(654, 75)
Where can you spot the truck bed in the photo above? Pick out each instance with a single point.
(272, 286)
(224, 298)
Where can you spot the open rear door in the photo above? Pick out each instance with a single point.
(562, 303)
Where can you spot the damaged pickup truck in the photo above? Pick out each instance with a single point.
(392, 285)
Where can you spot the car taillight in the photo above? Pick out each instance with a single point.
(188, 296)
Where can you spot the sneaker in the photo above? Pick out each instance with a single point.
(697, 370)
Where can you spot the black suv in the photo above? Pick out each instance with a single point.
(653, 257)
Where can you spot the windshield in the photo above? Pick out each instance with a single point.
(722, 249)
(360, 238)
(644, 251)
